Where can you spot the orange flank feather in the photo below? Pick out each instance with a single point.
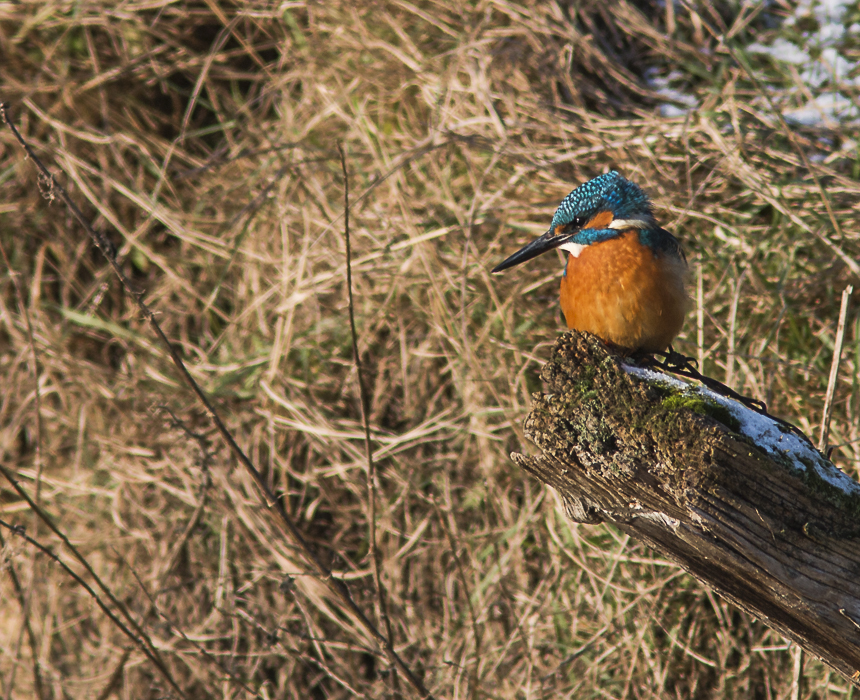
(625, 294)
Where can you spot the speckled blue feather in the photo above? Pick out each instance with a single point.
(625, 199)
(608, 192)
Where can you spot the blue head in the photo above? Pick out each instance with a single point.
(595, 211)
(609, 192)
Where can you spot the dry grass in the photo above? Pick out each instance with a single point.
(202, 140)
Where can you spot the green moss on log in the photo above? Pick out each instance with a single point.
(703, 406)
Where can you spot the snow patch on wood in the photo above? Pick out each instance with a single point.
(764, 431)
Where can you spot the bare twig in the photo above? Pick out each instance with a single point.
(700, 317)
(834, 368)
(142, 642)
(474, 673)
(796, 671)
(733, 316)
(139, 636)
(22, 603)
(797, 652)
(365, 417)
(26, 602)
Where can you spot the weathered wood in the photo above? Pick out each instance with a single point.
(770, 526)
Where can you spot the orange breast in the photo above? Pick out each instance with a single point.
(625, 294)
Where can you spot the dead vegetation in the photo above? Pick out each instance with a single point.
(202, 141)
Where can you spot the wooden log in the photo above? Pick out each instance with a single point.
(750, 510)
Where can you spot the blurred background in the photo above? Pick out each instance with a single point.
(201, 138)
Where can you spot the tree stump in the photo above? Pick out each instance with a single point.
(750, 510)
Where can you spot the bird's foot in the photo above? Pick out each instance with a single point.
(680, 364)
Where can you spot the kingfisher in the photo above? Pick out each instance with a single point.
(624, 279)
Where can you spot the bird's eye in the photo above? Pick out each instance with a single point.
(572, 225)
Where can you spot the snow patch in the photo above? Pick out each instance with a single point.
(764, 431)
(660, 85)
(828, 68)
(781, 50)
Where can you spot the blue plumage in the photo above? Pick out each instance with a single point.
(625, 200)
(607, 192)
(604, 208)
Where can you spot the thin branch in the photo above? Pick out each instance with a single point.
(175, 550)
(142, 637)
(834, 368)
(365, 417)
(733, 316)
(467, 594)
(26, 603)
(796, 672)
(205, 653)
(700, 317)
(336, 585)
(144, 644)
(22, 603)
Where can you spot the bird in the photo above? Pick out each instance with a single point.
(624, 278)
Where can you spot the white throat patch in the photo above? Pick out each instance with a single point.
(619, 224)
(573, 248)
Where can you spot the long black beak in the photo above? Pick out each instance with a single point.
(538, 246)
